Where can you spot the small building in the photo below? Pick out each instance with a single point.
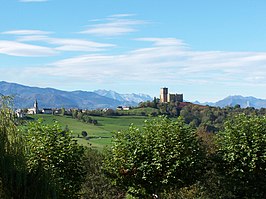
(126, 108)
(123, 108)
(20, 113)
(47, 111)
(119, 108)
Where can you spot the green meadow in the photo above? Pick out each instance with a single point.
(100, 135)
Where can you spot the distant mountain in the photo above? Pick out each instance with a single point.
(132, 99)
(24, 97)
(238, 99)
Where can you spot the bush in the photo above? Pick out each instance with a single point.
(53, 156)
(97, 185)
(162, 155)
(13, 171)
(242, 152)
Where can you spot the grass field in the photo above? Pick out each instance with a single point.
(101, 134)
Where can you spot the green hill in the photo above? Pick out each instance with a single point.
(99, 135)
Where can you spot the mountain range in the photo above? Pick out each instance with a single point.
(24, 97)
(244, 102)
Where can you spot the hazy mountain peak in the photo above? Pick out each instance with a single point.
(130, 98)
(244, 102)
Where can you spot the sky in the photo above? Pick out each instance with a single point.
(205, 49)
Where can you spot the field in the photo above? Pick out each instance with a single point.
(99, 135)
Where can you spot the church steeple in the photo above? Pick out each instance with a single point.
(36, 109)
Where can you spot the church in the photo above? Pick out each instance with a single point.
(35, 109)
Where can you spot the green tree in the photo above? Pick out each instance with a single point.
(13, 171)
(162, 155)
(84, 133)
(74, 113)
(97, 185)
(53, 155)
(242, 149)
(63, 111)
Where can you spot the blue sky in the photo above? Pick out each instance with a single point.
(204, 49)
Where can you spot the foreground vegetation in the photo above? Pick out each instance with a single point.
(163, 158)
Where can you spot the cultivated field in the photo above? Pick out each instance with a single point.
(100, 135)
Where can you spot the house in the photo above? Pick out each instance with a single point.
(47, 111)
(123, 108)
(19, 113)
(119, 108)
(126, 108)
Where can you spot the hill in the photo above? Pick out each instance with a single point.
(24, 96)
(99, 135)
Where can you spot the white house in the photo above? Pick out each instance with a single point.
(19, 113)
(47, 111)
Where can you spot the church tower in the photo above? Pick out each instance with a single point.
(36, 109)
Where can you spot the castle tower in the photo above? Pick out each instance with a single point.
(164, 95)
(36, 109)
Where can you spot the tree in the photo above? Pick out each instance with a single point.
(84, 133)
(13, 171)
(54, 156)
(242, 151)
(162, 155)
(97, 185)
(63, 111)
(74, 113)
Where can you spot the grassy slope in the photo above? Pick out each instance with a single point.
(101, 133)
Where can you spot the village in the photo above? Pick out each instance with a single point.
(165, 97)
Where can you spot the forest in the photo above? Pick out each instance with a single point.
(190, 152)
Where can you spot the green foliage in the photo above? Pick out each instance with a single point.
(84, 133)
(12, 163)
(63, 111)
(140, 111)
(97, 185)
(242, 148)
(54, 156)
(162, 155)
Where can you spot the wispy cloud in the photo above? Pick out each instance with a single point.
(26, 32)
(167, 59)
(27, 1)
(68, 44)
(25, 50)
(52, 45)
(164, 41)
(114, 25)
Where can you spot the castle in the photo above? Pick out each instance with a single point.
(168, 97)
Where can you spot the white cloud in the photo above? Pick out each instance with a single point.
(27, 1)
(68, 44)
(114, 25)
(26, 32)
(166, 60)
(25, 50)
(164, 41)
